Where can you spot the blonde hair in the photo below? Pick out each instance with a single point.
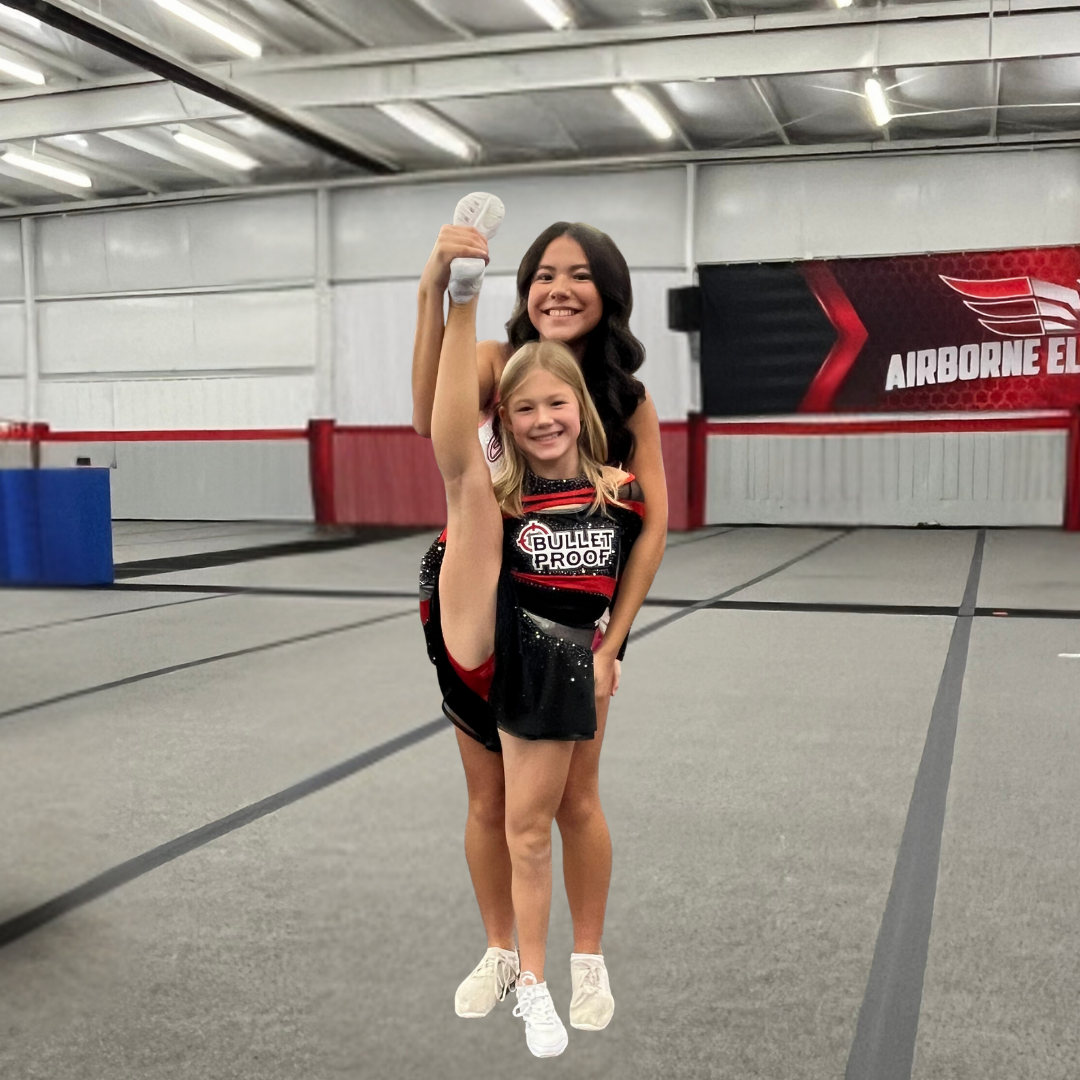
(556, 358)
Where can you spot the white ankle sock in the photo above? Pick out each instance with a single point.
(466, 277)
(484, 212)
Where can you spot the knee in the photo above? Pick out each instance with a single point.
(488, 810)
(529, 841)
(578, 808)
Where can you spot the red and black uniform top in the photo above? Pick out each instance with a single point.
(562, 562)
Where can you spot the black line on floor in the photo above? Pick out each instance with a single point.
(698, 539)
(698, 605)
(157, 672)
(125, 872)
(228, 557)
(844, 609)
(884, 1046)
(102, 615)
(1027, 613)
(271, 590)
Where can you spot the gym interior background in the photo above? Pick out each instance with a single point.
(210, 245)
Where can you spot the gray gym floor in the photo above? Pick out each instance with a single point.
(799, 890)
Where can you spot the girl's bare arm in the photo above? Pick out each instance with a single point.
(648, 466)
(454, 241)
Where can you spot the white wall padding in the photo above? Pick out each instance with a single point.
(12, 339)
(374, 323)
(871, 205)
(12, 399)
(234, 242)
(11, 274)
(263, 401)
(386, 232)
(226, 481)
(178, 333)
(667, 373)
(956, 478)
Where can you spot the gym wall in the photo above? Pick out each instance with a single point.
(261, 312)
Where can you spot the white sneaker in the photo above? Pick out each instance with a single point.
(544, 1031)
(592, 1005)
(491, 980)
(484, 213)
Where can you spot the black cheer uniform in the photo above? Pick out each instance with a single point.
(560, 572)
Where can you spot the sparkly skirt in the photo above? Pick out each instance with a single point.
(543, 682)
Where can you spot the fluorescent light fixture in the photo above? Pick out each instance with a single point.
(553, 12)
(78, 140)
(21, 16)
(431, 128)
(879, 107)
(46, 168)
(212, 148)
(644, 108)
(842, 3)
(21, 71)
(212, 26)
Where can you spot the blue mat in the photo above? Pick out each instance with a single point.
(55, 527)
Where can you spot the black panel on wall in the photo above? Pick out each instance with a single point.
(763, 338)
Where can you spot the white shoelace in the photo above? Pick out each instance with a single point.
(505, 975)
(536, 1008)
(590, 980)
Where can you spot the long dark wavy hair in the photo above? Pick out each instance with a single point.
(612, 353)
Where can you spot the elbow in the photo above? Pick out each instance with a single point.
(422, 426)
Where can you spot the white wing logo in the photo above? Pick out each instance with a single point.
(1019, 307)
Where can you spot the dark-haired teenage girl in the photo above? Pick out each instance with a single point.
(573, 287)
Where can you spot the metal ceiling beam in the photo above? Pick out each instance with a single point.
(329, 21)
(46, 57)
(770, 108)
(997, 101)
(563, 40)
(660, 159)
(81, 22)
(850, 46)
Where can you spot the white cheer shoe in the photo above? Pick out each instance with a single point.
(484, 212)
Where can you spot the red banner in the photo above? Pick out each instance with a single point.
(958, 331)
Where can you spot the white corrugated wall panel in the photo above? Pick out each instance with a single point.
(668, 371)
(238, 242)
(949, 478)
(178, 333)
(948, 202)
(11, 274)
(227, 481)
(264, 401)
(12, 339)
(643, 212)
(374, 323)
(373, 339)
(12, 399)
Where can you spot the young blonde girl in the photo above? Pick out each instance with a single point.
(532, 559)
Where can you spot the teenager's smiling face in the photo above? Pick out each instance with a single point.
(564, 302)
(544, 419)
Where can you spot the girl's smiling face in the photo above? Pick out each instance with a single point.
(544, 419)
(564, 302)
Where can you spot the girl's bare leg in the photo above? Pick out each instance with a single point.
(535, 777)
(586, 841)
(485, 840)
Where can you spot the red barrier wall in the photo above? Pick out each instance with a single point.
(386, 476)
